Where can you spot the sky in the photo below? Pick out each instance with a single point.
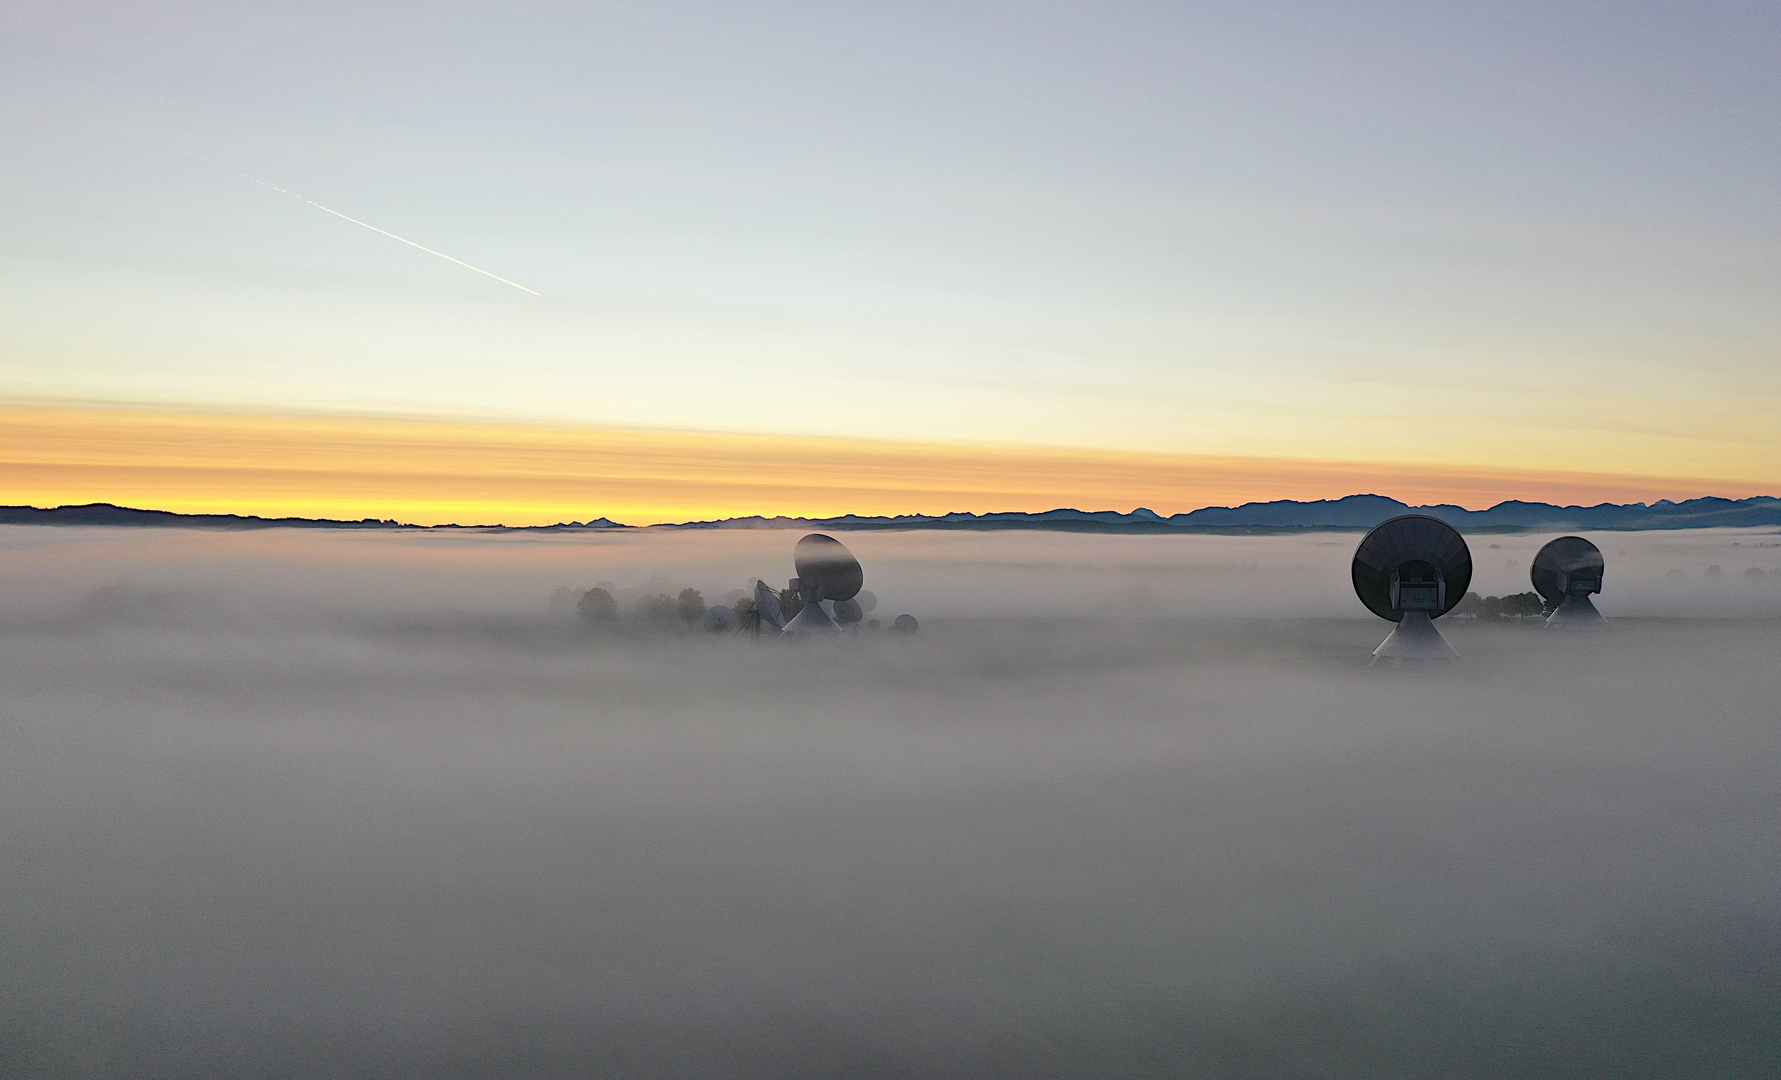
(885, 258)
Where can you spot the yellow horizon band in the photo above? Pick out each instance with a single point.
(427, 471)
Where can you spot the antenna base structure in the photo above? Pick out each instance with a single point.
(1575, 612)
(1414, 638)
(812, 620)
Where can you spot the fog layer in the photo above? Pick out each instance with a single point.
(320, 804)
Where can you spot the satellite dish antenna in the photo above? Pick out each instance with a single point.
(848, 612)
(719, 619)
(1411, 570)
(766, 606)
(1564, 573)
(868, 600)
(905, 624)
(826, 571)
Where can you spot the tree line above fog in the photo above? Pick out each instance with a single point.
(598, 605)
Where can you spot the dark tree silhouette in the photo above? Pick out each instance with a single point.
(1522, 605)
(597, 605)
(691, 606)
(1515, 606)
(747, 618)
(657, 608)
(791, 602)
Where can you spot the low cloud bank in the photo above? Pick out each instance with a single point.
(281, 574)
(364, 805)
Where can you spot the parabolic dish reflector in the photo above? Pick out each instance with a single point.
(1565, 566)
(826, 569)
(1412, 555)
(766, 604)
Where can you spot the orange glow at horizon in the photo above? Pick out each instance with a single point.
(438, 471)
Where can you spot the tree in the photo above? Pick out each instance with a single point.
(597, 605)
(691, 606)
(747, 618)
(1524, 605)
(790, 603)
(1514, 606)
(657, 608)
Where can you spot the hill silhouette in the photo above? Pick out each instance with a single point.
(1352, 512)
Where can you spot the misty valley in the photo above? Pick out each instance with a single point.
(325, 804)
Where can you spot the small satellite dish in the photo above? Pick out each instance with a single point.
(1411, 570)
(868, 600)
(905, 624)
(719, 620)
(826, 571)
(766, 604)
(1565, 573)
(848, 612)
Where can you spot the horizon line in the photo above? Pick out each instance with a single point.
(447, 471)
(1108, 517)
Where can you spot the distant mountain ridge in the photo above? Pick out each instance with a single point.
(1352, 512)
(1348, 513)
(107, 514)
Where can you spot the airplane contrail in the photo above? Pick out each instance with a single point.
(389, 234)
(423, 247)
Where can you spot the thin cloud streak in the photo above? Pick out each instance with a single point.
(386, 232)
(423, 247)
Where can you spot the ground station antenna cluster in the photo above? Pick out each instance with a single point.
(1414, 569)
(827, 596)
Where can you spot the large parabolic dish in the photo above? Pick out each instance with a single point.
(826, 569)
(1405, 559)
(1411, 570)
(1564, 573)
